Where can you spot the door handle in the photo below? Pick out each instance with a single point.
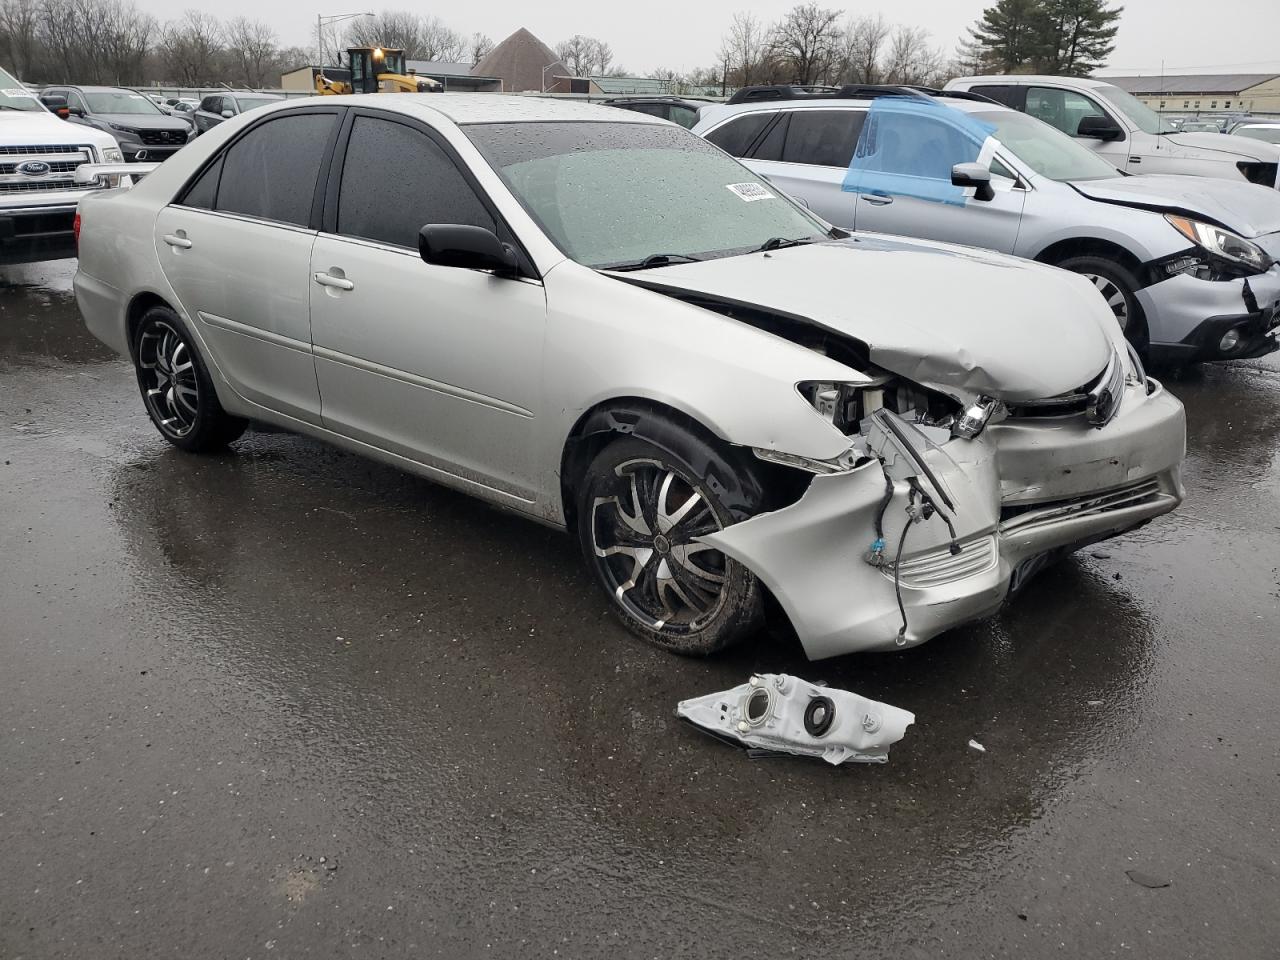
(877, 200)
(1135, 159)
(174, 240)
(329, 280)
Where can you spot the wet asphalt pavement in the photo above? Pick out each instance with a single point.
(286, 702)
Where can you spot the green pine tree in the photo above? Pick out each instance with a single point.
(1079, 36)
(1009, 37)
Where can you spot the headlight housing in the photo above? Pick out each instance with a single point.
(112, 155)
(1223, 244)
(122, 129)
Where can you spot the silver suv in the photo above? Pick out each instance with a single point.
(39, 155)
(1187, 264)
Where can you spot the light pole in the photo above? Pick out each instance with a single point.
(323, 21)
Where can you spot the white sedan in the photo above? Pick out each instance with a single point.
(601, 321)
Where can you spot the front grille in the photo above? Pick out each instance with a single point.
(40, 186)
(1099, 400)
(1020, 518)
(158, 137)
(55, 166)
(940, 566)
(38, 149)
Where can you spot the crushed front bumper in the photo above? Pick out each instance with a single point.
(1022, 493)
(1188, 318)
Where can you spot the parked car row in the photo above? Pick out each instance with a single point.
(600, 320)
(1187, 264)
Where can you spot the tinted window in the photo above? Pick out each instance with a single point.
(271, 172)
(1063, 109)
(770, 148)
(74, 100)
(211, 104)
(203, 192)
(738, 134)
(685, 116)
(427, 187)
(1000, 92)
(825, 138)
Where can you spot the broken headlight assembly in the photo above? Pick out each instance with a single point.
(1222, 255)
(846, 405)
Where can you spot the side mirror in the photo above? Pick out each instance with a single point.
(973, 175)
(56, 104)
(1098, 128)
(227, 114)
(462, 245)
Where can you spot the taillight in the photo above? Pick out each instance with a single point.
(75, 228)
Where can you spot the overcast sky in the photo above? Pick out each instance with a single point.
(1238, 36)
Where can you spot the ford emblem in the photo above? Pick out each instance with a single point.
(33, 168)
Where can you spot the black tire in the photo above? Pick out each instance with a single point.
(176, 388)
(1112, 279)
(662, 568)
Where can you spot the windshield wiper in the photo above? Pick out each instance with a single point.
(657, 260)
(5, 106)
(775, 243)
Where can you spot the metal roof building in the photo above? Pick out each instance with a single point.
(1236, 92)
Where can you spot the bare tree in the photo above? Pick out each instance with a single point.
(397, 29)
(480, 45)
(804, 42)
(911, 58)
(252, 47)
(191, 48)
(745, 49)
(603, 57)
(865, 39)
(441, 43)
(123, 41)
(20, 35)
(578, 53)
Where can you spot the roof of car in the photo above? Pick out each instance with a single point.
(251, 93)
(1033, 78)
(490, 107)
(717, 111)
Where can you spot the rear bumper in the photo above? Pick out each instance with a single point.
(1096, 484)
(1187, 318)
(29, 234)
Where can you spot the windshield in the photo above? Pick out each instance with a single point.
(611, 194)
(1142, 116)
(121, 101)
(1266, 134)
(14, 96)
(249, 103)
(1047, 151)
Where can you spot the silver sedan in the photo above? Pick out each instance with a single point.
(598, 320)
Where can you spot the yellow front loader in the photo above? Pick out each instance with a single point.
(376, 70)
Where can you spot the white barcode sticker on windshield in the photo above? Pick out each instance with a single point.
(749, 192)
(17, 92)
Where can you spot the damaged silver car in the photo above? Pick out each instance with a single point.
(601, 321)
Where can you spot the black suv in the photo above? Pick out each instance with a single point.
(144, 131)
(217, 107)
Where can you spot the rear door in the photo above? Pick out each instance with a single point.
(441, 365)
(236, 248)
(806, 153)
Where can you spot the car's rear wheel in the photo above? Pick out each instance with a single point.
(641, 509)
(1118, 286)
(176, 388)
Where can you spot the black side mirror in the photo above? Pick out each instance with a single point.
(973, 175)
(1098, 128)
(462, 245)
(56, 104)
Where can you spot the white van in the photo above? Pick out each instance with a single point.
(38, 158)
(1126, 131)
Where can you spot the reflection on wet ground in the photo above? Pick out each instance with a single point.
(219, 670)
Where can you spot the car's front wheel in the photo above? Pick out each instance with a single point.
(641, 509)
(176, 388)
(1118, 286)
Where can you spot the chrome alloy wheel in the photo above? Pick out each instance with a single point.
(1114, 296)
(643, 538)
(168, 378)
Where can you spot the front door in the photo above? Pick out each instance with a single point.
(236, 248)
(1064, 109)
(441, 365)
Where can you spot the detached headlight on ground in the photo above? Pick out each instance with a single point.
(1219, 242)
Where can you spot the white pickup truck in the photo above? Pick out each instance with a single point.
(39, 155)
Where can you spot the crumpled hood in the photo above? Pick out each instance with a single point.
(963, 321)
(1225, 143)
(1235, 204)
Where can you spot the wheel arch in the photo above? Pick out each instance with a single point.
(137, 309)
(1065, 249)
(670, 429)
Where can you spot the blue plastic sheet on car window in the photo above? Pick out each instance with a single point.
(908, 146)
